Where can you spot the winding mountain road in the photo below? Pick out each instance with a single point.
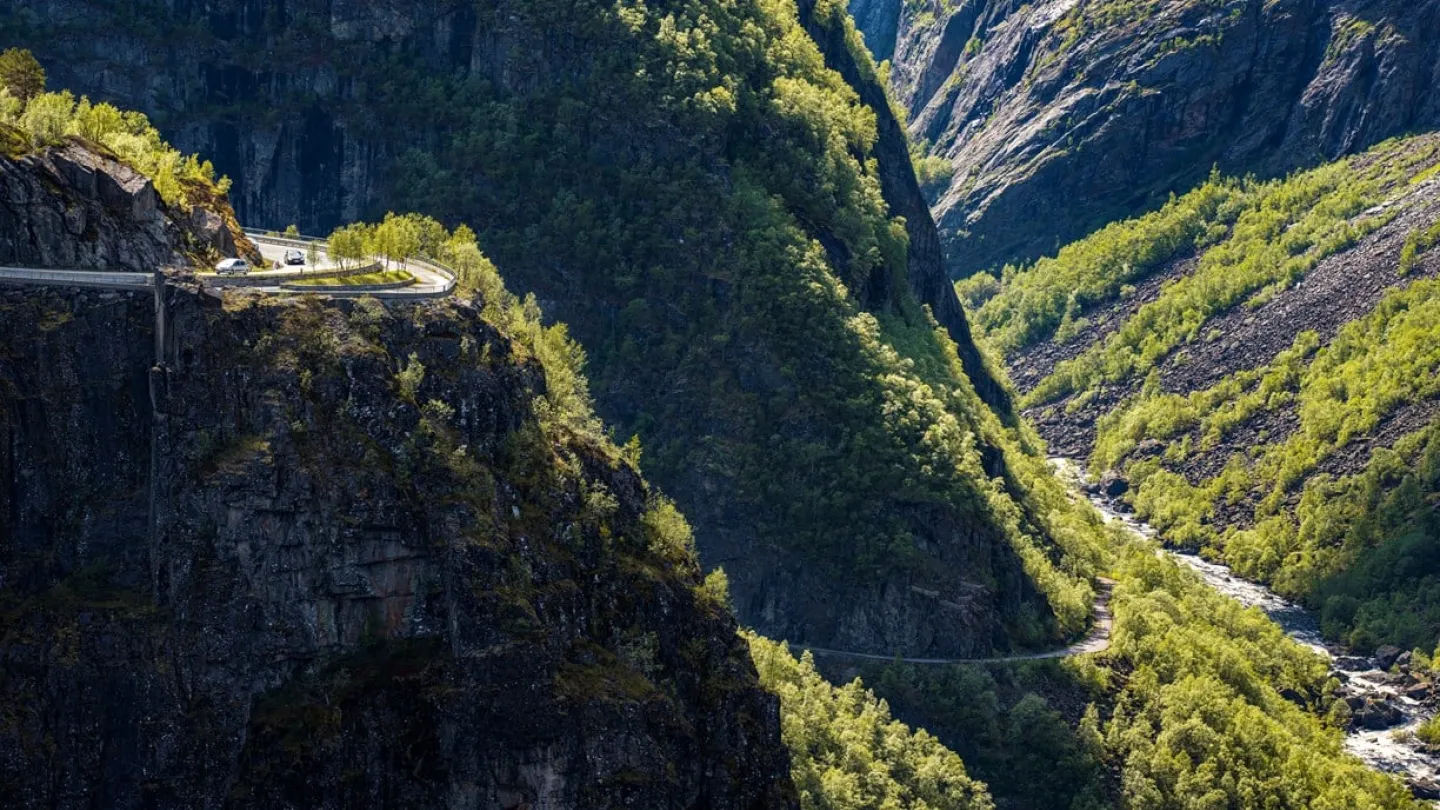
(431, 281)
(1097, 640)
(78, 278)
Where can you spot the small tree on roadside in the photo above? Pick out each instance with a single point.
(292, 231)
(408, 241)
(312, 254)
(21, 74)
(430, 235)
(349, 243)
(380, 242)
(463, 235)
(397, 238)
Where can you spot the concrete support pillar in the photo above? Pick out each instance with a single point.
(159, 283)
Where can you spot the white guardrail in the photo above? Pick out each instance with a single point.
(78, 278)
(118, 281)
(303, 242)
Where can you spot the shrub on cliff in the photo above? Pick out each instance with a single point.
(49, 118)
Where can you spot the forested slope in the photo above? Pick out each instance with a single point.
(703, 194)
(1260, 358)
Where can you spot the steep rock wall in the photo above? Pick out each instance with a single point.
(925, 268)
(1061, 116)
(880, 22)
(72, 207)
(325, 598)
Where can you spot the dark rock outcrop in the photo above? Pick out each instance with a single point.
(1113, 485)
(1417, 691)
(1378, 715)
(1427, 789)
(1386, 655)
(1062, 116)
(72, 207)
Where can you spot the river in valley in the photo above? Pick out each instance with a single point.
(1372, 692)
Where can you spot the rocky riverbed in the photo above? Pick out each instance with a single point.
(1388, 697)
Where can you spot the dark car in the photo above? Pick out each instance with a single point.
(294, 257)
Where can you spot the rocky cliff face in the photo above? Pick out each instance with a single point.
(330, 555)
(880, 22)
(1061, 116)
(74, 208)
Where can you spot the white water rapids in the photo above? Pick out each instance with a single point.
(1394, 750)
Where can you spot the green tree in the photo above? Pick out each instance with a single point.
(398, 238)
(350, 244)
(716, 588)
(429, 235)
(21, 74)
(96, 123)
(410, 378)
(47, 118)
(11, 108)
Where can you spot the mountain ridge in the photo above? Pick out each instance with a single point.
(1115, 104)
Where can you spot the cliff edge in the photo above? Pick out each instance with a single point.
(336, 554)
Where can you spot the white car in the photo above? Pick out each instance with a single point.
(232, 267)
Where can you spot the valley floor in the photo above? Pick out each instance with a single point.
(1390, 706)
